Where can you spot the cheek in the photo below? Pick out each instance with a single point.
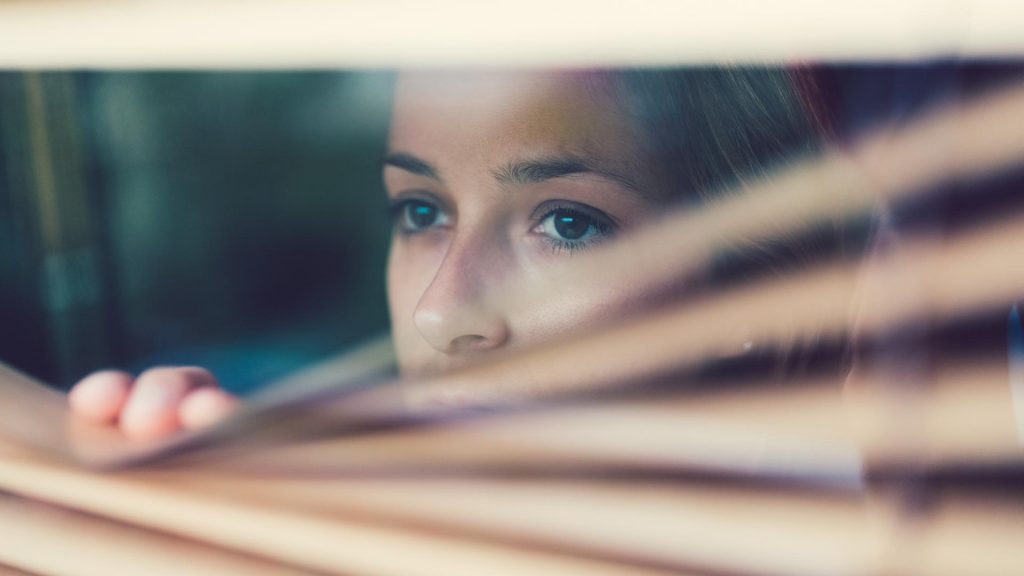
(567, 310)
(408, 275)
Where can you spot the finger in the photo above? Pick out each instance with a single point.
(100, 396)
(205, 407)
(152, 407)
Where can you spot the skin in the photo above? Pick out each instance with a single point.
(494, 181)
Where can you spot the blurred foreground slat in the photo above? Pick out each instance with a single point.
(106, 33)
(101, 546)
(418, 525)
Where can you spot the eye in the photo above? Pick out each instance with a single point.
(571, 228)
(414, 215)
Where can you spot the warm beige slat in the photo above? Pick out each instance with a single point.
(141, 35)
(960, 414)
(970, 534)
(777, 532)
(733, 530)
(335, 545)
(778, 433)
(47, 540)
(10, 571)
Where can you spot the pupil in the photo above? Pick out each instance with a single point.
(422, 215)
(571, 227)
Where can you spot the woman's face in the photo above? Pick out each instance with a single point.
(495, 181)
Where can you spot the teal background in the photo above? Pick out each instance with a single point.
(231, 220)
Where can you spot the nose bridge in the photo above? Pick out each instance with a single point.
(456, 313)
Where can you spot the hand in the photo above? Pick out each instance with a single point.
(160, 402)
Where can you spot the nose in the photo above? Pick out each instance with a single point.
(455, 314)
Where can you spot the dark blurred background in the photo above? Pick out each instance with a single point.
(236, 220)
(230, 220)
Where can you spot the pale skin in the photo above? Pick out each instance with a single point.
(494, 181)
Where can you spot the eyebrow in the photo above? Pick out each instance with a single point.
(410, 163)
(523, 172)
(535, 171)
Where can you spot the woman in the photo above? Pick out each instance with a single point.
(495, 179)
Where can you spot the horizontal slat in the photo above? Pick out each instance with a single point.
(262, 33)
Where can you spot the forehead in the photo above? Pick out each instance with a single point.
(490, 116)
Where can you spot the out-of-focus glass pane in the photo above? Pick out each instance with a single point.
(235, 220)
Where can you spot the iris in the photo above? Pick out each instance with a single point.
(413, 215)
(420, 214)
(571, 226)
(574, 227)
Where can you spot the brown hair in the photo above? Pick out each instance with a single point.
(712, 128)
